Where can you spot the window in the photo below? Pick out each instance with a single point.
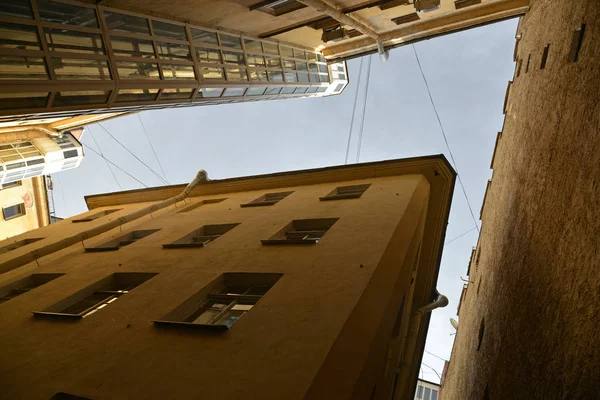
(268, 199)
(10, 212)
(97, 296)
(67, 396)
(419, 392)
(576, 43)
(302, 231)
(277, 8)
(122, 241)
(200, 203)
(24, 285)
(481, 332)
(434, 394)
(346, 192)
(223, 302)
(16, 8)
(201, 237)
(18, 244)
(545, 57)
(67, 13)
(9, 185)
(96, 215)
(427, 394)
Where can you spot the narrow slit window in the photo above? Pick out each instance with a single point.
(268, 199)
(96, 215)
(302, 231)
(527, 65)
(201, 237)
(97, 296)
(220, 304)
(122, 241)
(23, 286)
(545, 57)
(346, 192)
(576, 43)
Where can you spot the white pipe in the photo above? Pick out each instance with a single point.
(51, 248)
(342, 18)
(411, 343)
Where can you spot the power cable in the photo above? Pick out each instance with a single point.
(130, 152)
(436, 356)
(459, 236)
(362, 121)
(119, 168)
(354, 109)
(433, 369)
(105, 160)
(152, 147)
(445, 139)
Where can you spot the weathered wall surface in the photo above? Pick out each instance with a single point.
(537, 282)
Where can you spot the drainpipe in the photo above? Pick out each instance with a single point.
(51, 248)
(411, 343)
(342, 18)
(6, 134)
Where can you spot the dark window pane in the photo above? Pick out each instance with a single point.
(87, 303)
(21, 37)
(253, 46)
(199, 35)
(72, 41)
(230, 41)
(137, 70)
(67, 13)
(127, 95)
(75, 68)
(13, 211)
(131, 47)
(70, 154)
(171, 51)
(126, 23)
(15, 101)
(16, 8)
(171, 94)
(169, 30)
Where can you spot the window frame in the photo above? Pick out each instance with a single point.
(201, 237)
(346, 192)
(267, 199)
(312, 231)
(127, 238)
(21, 211)
(24, 285)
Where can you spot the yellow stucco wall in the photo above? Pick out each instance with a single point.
(31, 193)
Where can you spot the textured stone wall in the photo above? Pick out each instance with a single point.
(537, 282)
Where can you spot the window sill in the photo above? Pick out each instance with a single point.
(100, 249)
(261, 204)
(82, 220)
(45, 314)
(340, 197)
(189, 325)
(286, 241)
(182, 245)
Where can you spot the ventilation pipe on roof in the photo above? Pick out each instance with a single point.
(411, 343)
(51, 248)
(342, 18)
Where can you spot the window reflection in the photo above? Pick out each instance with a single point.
(77, 68)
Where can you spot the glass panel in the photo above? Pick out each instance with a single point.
(299, 53)
(322, 89)
(232, 57)
(230, 92)
(23, 100)
(231, 317)
(291, 77)
(258, 290)
(300, 90)
(242, 307)
(312, 90)
(22, 68)
(320, 58)
(126, 23)
(338, 87)
(230, 41)
(314, 78)
(419, 392)
(270, 48)
(212, 92)
(184, 94)
(313, 67)
(169, 30)
(287, 52)
(256, 61)
(88, 97)
(434, 394)
(311, 56)
(137, 70)
(75, 68)
(289, 64)
(301, 66)
(273, 90)
(75, 42)
(127, 95)
(175, 71)
(206, 317)
(275, 76)
(129, 47)
(302, 77)
(67, 13)
(22, 37)
(288, 90)
(323, 68)
(427, 394)
(206, 55)
(255, 91)
(16, 8)
(260, 76)
(273, 62)
(212, 73)
(253, 46)
(199, 35)
(324, 78)
(236, 74)
(171, 51)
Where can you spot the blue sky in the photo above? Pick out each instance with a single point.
(467, 73)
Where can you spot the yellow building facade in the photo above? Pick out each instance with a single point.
(24, 206)
(313, 284)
